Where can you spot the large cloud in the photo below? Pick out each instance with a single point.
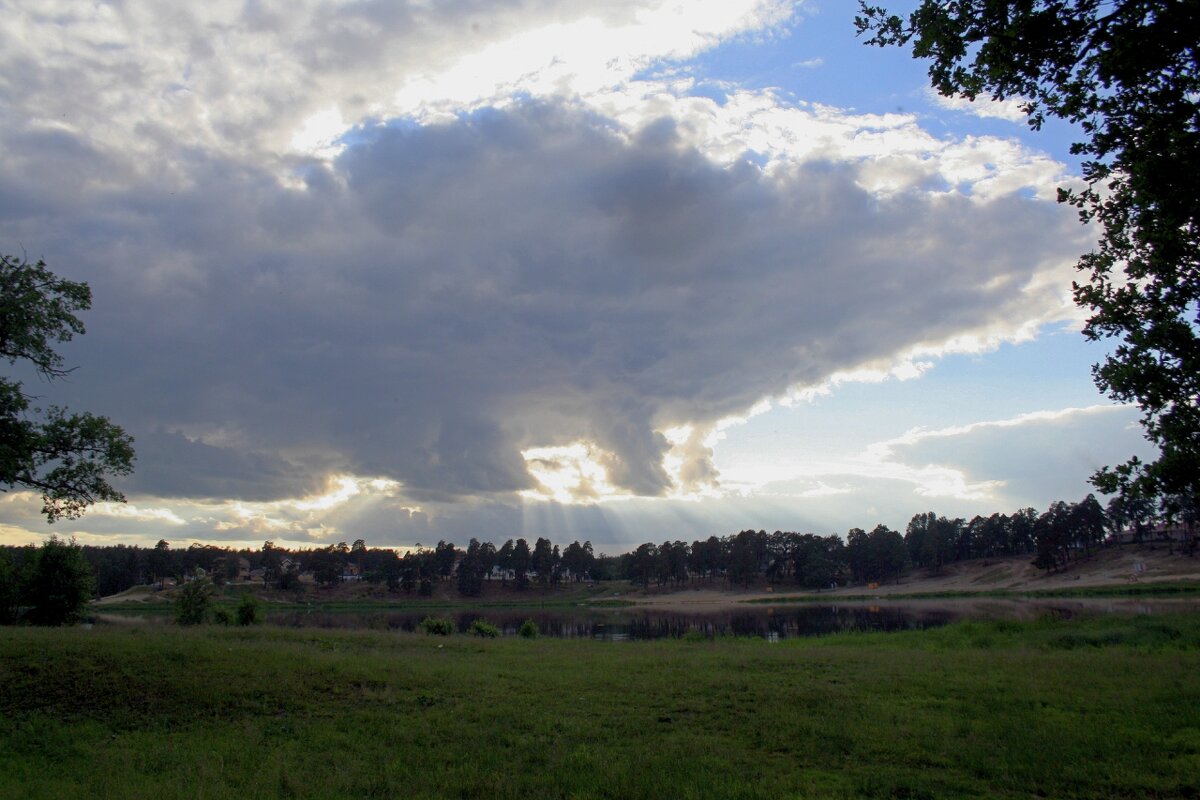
(517, 246)
(441, 297)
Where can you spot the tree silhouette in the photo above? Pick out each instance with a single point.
(66, 457)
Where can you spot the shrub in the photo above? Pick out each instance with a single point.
(193, 601)
(481, 627)
(247, 610)
(223, 616)
(437, 626)
(528, 629)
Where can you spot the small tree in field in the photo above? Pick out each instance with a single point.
(193, 602)
(59, 584)
(247, 610)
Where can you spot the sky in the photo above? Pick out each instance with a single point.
(620, 271)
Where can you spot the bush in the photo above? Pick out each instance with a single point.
(223, 616)
(481, 627)
(528, 629)
(437, 626)
(193, 601)
(247, 610)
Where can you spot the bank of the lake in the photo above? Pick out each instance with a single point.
(636, 622)
(611, 611)
(1098, 708)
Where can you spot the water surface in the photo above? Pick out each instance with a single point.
(769, 622)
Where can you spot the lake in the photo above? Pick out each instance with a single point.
(776, 622)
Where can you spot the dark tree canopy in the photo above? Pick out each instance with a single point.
(1125, 72)
(66, 457)
(59, 583)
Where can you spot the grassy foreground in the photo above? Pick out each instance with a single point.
(1102, 708)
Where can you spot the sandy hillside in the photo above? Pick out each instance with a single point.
(1115, 566)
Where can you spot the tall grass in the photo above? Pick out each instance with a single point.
(1101, 708)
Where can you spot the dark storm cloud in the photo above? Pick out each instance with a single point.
(176, 466)
(439, 298)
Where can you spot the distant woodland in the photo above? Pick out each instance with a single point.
(1064, 532)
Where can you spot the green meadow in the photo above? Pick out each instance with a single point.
(1103, 708)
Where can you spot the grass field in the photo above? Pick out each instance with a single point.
(1094, 709)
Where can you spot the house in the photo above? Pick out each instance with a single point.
(567, 576)
(351, 573)
(1158, 532)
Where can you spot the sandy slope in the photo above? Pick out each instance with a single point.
(1115, 566)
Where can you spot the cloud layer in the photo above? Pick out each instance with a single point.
(413, 242)
(440, 298)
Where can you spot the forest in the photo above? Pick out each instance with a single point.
(1052, 539)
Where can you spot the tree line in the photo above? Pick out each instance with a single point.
(1054, 538)
(1063, 533)
(115, 568)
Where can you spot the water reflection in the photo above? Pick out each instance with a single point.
(769, 622)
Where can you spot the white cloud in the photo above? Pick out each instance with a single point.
(998, 464)
(569, 473)
(1008, 109)
(133, 512)
(261, 78)
(1046, 455)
